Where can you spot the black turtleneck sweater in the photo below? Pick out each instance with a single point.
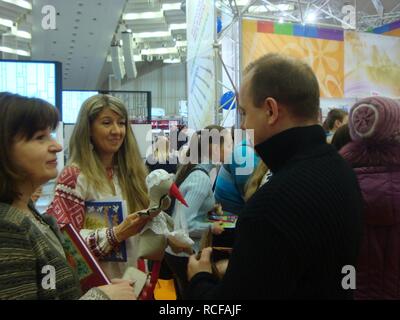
(298, 231)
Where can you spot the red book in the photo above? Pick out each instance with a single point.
(82, 260)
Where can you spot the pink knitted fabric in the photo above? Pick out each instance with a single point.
(375, 119)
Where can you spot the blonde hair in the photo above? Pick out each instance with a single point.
(131, 169)
(255, 179)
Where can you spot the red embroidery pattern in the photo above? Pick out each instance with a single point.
(66, 206)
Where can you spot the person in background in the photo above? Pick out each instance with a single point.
(341, 137)
(178, 139)
(230, 183)
(233, 175)
(334, 120)
(299, 230)
(161, 158)
(104, 164)
(194, 182)
(30, 242)
(374, 153)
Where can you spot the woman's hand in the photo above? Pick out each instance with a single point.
(131, 226)
(203, 264)
(119, 290)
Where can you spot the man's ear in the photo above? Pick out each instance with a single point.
(270, 107)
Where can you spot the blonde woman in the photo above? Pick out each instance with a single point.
(259, 177)
(104, 163)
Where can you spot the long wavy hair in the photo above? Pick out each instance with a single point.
(131, 169)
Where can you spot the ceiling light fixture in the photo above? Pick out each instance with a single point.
(153, 34)
(152, 14)
(158, 51)
(172, 60)
(143, 15)
(137, 58)
(6, 23)
(171, 6)
(311, 17)
(15, 51)
(20, 3)
(177, 26)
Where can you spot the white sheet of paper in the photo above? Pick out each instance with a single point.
(138, 277)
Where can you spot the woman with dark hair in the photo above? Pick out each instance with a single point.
(335, 119)
(31, 243)
(341, 137)
(206, 147)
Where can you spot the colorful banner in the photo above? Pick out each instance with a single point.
(391, 29)
(372, 65)
(321, 48)
(200, 64)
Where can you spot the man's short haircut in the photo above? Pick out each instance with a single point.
(289, 81)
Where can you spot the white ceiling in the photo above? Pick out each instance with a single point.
(87, 28)
(84, 32)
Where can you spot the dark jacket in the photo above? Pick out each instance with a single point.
(378, 171)
(298, 231)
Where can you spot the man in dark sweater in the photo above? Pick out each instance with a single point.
(302, 229)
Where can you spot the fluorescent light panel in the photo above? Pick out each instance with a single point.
(143, 15)
(177, 26)
(18, 33)
(160, 34)
(136, 57)
(175, 60)
(153, 34)
(15, 51)
(171, 6)
(156, 51)
(152, 14)
(23, 34)
(20, 3)
(6, 22)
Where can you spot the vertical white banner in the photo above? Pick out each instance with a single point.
(200, 17)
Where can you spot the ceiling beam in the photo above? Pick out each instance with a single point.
(378, 6)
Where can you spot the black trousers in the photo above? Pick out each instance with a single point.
(178, 266)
